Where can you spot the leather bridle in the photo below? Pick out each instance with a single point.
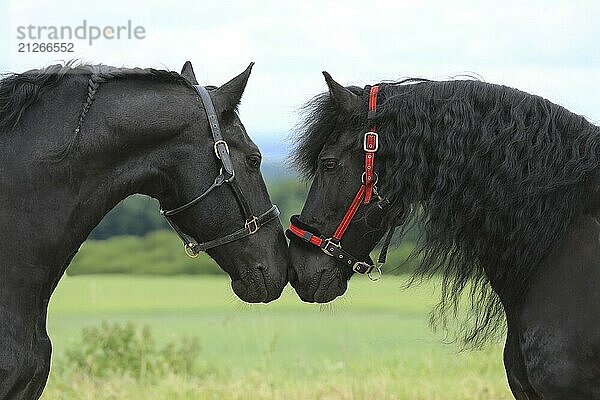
(332, 245)
(226, 175)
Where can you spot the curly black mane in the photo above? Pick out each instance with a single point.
(498, 175)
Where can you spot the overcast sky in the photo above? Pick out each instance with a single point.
(546, 47)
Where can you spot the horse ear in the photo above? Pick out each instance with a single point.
(343, 97)
(228, 96)
(188, 73)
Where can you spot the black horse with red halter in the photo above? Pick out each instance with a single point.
(226, 175)
(332, 245)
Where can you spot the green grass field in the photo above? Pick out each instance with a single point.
(372, 344)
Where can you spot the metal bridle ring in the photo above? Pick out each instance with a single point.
(231, 178)
(364, 175)
(189, 250)
(378, 276)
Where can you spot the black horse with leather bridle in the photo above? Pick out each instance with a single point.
(505, 187)
(74, 141)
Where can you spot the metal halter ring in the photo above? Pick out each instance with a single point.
(364, 175)
(218, 142)
(231, 178)
(252, 225)
(189, 250)
(379, 273)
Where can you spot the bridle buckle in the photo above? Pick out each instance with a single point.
(215, 147)
(357, 267)
(366, 147)
(252, 225)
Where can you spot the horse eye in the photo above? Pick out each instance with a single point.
(330, 164)
(254, 161)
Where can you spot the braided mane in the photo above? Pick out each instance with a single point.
(19, 91)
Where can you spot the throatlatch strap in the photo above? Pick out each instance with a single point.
(386, 245)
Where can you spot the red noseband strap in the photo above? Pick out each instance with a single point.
(306, 235)
(332, 246)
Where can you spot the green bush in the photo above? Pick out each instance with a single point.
(124, 349)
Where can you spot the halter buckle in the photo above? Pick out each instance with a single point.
(358, 267)
(366, 142)
(252, 225)
(330, 242)
(217, 143)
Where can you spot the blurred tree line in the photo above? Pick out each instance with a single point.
(138, 215)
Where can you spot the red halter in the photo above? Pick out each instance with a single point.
(332, 246)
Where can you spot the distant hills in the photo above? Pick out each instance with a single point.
(275, 149)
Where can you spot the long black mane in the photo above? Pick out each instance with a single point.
(19, 91)
(498, 175)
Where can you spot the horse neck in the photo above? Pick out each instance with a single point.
(53, 206)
